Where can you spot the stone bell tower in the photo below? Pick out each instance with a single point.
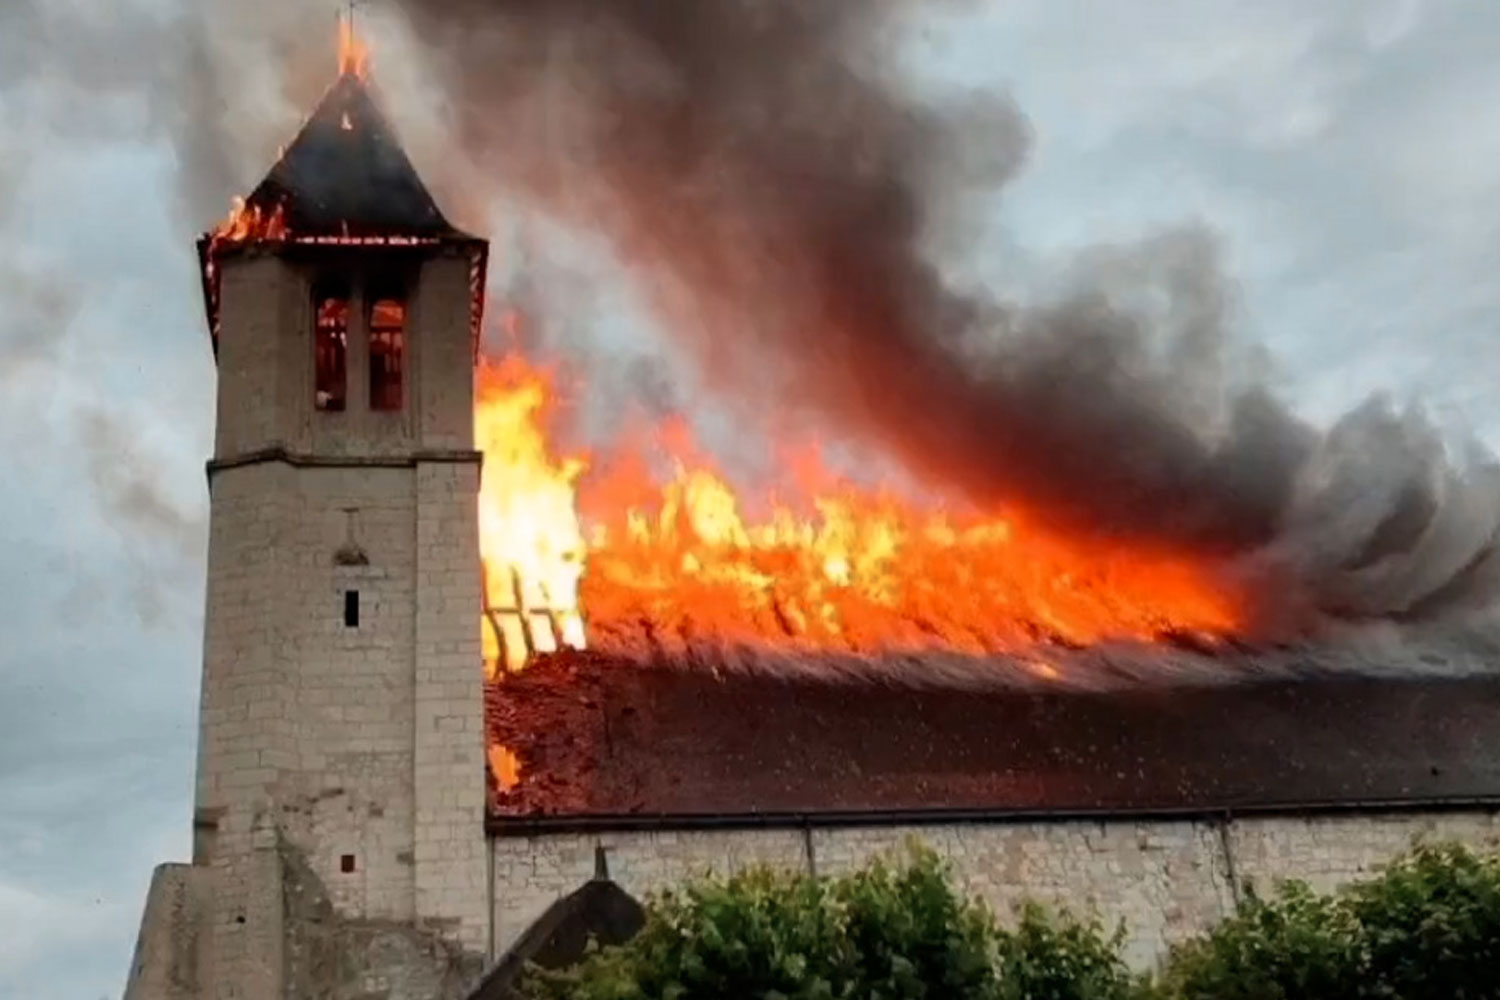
(339, 843)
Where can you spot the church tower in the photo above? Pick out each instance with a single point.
(339, 844)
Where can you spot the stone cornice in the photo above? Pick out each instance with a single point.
(304, 460)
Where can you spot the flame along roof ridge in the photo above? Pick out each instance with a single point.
(346, 175)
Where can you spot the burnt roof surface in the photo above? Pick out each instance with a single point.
(345, 174)
(601, 741)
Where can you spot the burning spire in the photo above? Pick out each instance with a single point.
(343, 181)
(354, 54)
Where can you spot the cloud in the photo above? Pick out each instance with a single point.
(43, 934)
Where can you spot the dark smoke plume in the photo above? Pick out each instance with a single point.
(754, 163)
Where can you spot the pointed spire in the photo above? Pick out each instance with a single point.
(345, 175)
(344, 179)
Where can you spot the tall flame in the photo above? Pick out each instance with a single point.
(680, 563)
(530, 540)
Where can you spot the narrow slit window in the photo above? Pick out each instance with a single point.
(351, 609)
(331, 347)
(387, 353)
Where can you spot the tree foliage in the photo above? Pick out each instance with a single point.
(1054, 956)
(1294, 945)
(1428, 927)
(890, 931)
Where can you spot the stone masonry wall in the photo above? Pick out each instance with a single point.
(356, 745)
(1166, 880)
(165, 963)
(332, 956)
(450, 871)
(443, 403)
(346, 790)
(251, 366)
(247, 727)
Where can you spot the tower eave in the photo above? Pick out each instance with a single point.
(214, 251)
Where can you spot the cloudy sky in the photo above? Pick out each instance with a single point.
(1346, 152)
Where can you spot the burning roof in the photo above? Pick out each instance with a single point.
(591, 740)
(1094, 512)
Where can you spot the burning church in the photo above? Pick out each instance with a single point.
(445, 676)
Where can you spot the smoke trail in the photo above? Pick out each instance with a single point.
(752, 160)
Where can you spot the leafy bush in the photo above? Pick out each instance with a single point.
(1431, 926)
(1056, 957)
(1427, 929)
(886, 932)
(1294, 945)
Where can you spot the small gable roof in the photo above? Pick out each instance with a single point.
(597, 911)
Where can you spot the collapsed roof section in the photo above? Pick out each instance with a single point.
(344, 181)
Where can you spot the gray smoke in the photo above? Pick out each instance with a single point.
(1373, 652)
(763, 174)
(761, 171)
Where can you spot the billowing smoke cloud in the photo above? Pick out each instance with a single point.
(764, 175)
(760, 168)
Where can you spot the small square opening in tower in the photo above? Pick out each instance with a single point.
(387, 352)
(331, 345)
(351, 609)
(346, 863)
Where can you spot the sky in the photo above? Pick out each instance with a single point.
(1346, 153)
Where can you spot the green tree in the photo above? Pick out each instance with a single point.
(1294, 945)
(1427, 928)
(1431, 925)
(1053, 956)
(894, 930)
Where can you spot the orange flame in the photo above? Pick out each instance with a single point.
(354, 54)
(676, 564)
(529, 536)
(247, 223)
(505, 766)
